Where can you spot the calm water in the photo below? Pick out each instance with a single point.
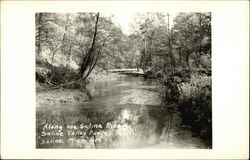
(126, 113)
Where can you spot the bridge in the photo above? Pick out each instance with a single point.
(128, 71)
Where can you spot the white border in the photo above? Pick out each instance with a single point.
(230, 62)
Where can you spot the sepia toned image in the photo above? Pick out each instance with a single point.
(123, 81)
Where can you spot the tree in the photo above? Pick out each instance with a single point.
(87, 60)
(156, 52)
(192, 32)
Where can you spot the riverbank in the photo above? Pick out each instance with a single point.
(46, 95)
(60, 96)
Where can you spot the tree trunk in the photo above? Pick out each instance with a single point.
(199, 43)
(70, 48)
(172, 64)
(52, 58)
(64, 38)
(187, 60)
(94, 64)
(54, 53)
(39, 46)
(87, 58)
(180, 57)
(151, 49)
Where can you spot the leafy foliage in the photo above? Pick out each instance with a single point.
(196, 105)
(80, 42)
(166, 50)
(197, 86)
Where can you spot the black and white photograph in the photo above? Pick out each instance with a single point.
(123, 80)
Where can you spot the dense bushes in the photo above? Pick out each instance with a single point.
(197, 86)
(196, 105)
(193, 94)
(56, 76)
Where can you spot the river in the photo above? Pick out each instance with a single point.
(126, 113)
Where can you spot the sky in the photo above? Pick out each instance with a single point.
(125, 18)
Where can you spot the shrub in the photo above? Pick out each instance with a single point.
(198, 85)
(196, 105)
(56, 75)
(172, 94)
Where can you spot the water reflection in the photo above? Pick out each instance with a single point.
(128, 113)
